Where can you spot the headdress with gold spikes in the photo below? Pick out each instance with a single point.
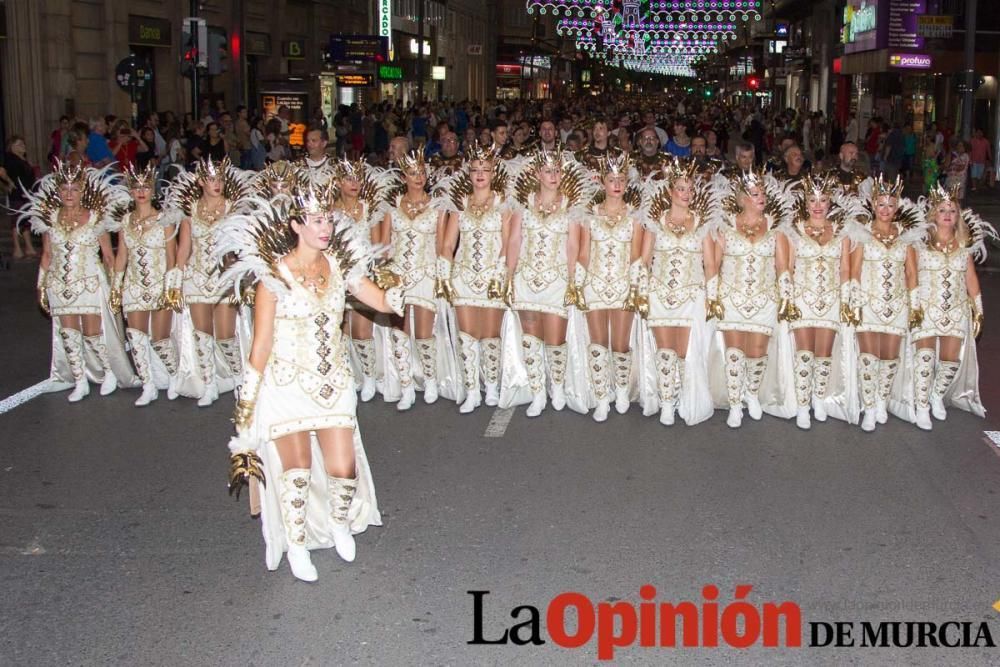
(413, 161)
(882, 187)
(577, 184)
(312, 199)
(780, 199)
(482, 153)
(544, 158)
(815, 186)
(209, 168)
(146, 178)
(350, 170)
(745, 181)
(679, 168)
(939, 195)
(66, 173)
(617, 163)
(280, 176)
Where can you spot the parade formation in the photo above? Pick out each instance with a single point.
(530, 276)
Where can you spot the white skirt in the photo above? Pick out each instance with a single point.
(663, 315)
(548, 300)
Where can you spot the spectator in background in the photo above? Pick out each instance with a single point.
(98, 151)
(145, 153)
(649, 120)
(124, 145)
(680, 143)
(79, 136)
(215, 145)
(980, 156)
(242, 132)
(258, 144)
(228, 130)
(60, 140)
(18, 177)
(909, 152)
(958, 168)
(892, 152)
(159, 145)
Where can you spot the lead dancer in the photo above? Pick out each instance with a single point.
(296, 416)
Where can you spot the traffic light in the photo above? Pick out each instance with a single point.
(753, 82)
(218, 53)
(194, 46)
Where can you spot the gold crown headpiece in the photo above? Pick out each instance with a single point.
(482, 153)
(544, 158)
(819, 186)
(146, 178)
(883, 187)
(412, 161)
(67, 173)
(746, 180)
(209, 168)
(346, 169)
(309, 199)
(615, 163)
(940, 195)
(279, 173)
(677, 169)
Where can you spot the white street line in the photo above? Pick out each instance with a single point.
(498, 423)
(23, 396)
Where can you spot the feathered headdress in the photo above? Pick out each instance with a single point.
(346, 169)
(679, 168)
(577, 183)
(780, 204)
(617, 163)
(657, 200)
(102, 192)
(209, 168)
(882, 187)
(237, 185)
(544, 158)
(312, 199)
(277, 177)
(145, 178)
(481, 153)
(451, 193)
(412, 161)
(814, 186)
(939, 195)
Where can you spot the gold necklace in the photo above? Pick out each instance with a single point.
(212, 215)
(750, 231)
(884, 239)
(314, 283)
(69, 219)
(547, 209)
(412, 208)
(675, 228)
(477, 209)
(354, 212)
(947, 246)
(815, 232)
(616, 217)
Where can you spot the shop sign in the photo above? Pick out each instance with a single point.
(508, 71)
(148, 31)
(294, 49)
(390, 73)
(902, 25)
(474, 50)
(438, 72)
(258, 43)
(910, 60)
(355, 80)
(935, 27)
(366, 48)
(297, 105)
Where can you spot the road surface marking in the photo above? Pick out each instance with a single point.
(498, 423)
(23, 396)
(996, 605)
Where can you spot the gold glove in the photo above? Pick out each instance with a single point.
(495, 289)
(572, 296)
(384, 278)
(43, 294)
(632, 300)
(443, 289)
(243, 466)
(507, 294)
(977, 316)
(788, 311)
(916, 308)
(115, 297)
(243, 414)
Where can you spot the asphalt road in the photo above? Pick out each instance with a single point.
(119, 545)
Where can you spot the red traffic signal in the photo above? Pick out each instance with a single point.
(753, 82)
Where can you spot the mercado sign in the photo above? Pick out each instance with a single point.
(910, 60)
(390, 73)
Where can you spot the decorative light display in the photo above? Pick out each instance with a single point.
(656, 36)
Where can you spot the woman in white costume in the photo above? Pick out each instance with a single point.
(752, 255)
(296, 415)
(146, 282)
(207, 196)
(361, 188)
(474, 259)
(952, 304)
(680, 255)
(612, 275)
(410, 229)
(68, 210)
(884, 299)
(550, 195)
(820, 261)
